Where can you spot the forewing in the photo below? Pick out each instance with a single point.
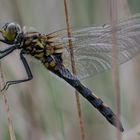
(92, 46)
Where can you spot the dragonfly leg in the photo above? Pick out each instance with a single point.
(28, 71)
(65, 74)
(7, 51)
(6, 42)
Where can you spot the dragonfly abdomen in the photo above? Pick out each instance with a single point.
(97, 103)
(65, 74)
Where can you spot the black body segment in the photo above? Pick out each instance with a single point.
(65, 74)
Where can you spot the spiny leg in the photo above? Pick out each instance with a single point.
(6, 42)
(7, 51)
(28, 71)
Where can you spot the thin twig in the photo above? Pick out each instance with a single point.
(9, 116)
(2, 83)
(74, 69)
(115, 69)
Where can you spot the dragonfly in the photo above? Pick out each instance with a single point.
(92, 48)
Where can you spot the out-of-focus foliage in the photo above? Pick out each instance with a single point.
(134, 5)
(45, 108)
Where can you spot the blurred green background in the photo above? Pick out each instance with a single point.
(45, 108)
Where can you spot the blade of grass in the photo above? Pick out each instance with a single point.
(115, 68)
(74, 70)
(9, 116)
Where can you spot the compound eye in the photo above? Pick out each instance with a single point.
(11, 28)
(10, 31)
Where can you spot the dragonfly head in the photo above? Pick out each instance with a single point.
(10, 31)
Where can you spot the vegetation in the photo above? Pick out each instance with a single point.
(45, 108)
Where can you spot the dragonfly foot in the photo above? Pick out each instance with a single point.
(6, 86)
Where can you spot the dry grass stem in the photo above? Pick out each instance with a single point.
(74, 69)
(115, 68)
(9, 116)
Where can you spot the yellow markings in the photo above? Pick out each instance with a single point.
(95, 95)
(59, 47)
(49, 38)
(105, 105)
(49, 52)
(52, 39)
(52, 63)
(40, 55)
(38, 43)
(60, 50)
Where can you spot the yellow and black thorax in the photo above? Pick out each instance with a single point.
(42, 48)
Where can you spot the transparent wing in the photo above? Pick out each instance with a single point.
(92, 45)
(27, 29)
